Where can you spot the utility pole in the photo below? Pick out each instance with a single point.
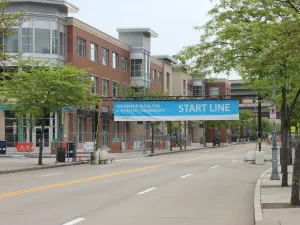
(75, 136)
(259, 124)
(144, 94)
(184, 134)
(274, 175)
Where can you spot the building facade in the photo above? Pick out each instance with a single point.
(42, 37)
(113, 65)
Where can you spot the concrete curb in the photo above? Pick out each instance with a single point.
(184, 150)
(39, 168)
(258, 214)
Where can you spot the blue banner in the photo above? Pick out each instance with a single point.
(181, 110)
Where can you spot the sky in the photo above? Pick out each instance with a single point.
(173, 20)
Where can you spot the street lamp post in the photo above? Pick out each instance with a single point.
(274, 175)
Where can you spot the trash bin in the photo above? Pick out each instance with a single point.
(2, 147)
(60, 155)
(94, 158)
(70, 149)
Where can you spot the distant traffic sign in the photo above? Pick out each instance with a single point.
(66, 110)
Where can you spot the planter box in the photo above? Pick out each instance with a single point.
(116, 147)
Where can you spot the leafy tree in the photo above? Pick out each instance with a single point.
(8, 21)
(39, 88)
(257, 39)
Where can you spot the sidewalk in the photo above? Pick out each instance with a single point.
(14, 165)
(271, 201)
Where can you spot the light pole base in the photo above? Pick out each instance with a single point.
(275, 176)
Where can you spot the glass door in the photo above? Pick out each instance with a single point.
(38, 137)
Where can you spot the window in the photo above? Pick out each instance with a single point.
(55, 42)
(124, 64)
(105, 53)
(168, 81)
(27, 37)
(116, 129)
(159, 77)
(63, 45)
(153, 75)
(136, 67)
(190, 90)
(94, 88)
(124, 88)
(115, 60)
(115, 89)
(42, 36)
(94, 52)
(81, 47)
(198, 91)
(184, 87)
(11, 42)
(10, 119)
(213, 91)
(147, 69)
(105, 87)
(104, 109)
(81, 129)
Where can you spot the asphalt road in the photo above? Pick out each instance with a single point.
(209, 187)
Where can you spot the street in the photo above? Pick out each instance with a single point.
(210, 187)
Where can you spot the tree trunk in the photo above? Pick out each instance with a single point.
(290, 145)
(42, 140)
(152, 137)
(284, 167)
(295, 201)
(170, 134)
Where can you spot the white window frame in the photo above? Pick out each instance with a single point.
(106, 90)
(105, 56)
(115, 60)
(95, 81)
(124, 64)
(83, 43)
(214, 91)
(94, 50)
(115, 88)
(153, 75)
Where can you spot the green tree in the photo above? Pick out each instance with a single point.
(257, 39)
(39, 88)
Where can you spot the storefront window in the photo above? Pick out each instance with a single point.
(11, 42)
(42, 36)
(27, 36)
(10, 137)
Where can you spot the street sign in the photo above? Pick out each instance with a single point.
(66, 110)
(15, 127)
(273, 114)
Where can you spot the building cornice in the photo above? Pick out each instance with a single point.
(92, 30)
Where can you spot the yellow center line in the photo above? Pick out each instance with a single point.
(46, 187)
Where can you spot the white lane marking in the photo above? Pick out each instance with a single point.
(148, 190)
(214, 166)
(206, 151)
(234, 161)
(53, 174)
(73, 222)
(186, 176)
